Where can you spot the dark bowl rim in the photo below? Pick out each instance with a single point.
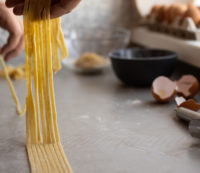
(172, 55)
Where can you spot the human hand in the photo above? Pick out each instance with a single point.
(58, 7)
(14, 26)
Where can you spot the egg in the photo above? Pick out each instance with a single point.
(155, 9)
(176, 10)
(187, 86)
(192, 12)
(163, 89)
(162, 13)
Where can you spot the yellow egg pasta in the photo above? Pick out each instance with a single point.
(44, 48)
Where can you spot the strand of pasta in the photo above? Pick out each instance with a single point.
(12, 89)
(41, 78)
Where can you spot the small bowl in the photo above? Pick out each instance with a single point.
(141, 66)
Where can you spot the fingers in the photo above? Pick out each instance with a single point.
(12, 42)
(15, 42)
(57, 11)
(18, 10)
(59, 7)
(16, 51)
(63, 7)
(14, 3)
(20, 46)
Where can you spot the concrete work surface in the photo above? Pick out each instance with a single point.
(105, 127)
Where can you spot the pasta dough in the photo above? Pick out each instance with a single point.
(16, 73)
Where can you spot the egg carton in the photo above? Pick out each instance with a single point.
(185, 29)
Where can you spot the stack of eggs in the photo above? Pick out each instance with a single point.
(180, 20)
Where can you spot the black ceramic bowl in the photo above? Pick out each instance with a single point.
(141, 66)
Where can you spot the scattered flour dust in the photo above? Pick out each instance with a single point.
(84, 117)
(135, 102)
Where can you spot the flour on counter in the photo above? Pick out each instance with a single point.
(135, 102)
(84, 116)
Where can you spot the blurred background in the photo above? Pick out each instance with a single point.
(98, 13)
(79, 27)
(96, 26)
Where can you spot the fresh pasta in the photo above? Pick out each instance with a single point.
(44, 48)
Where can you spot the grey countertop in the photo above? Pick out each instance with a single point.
(105, 127)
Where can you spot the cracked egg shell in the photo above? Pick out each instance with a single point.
(189, 104)
(187, 86)
(163, 89)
